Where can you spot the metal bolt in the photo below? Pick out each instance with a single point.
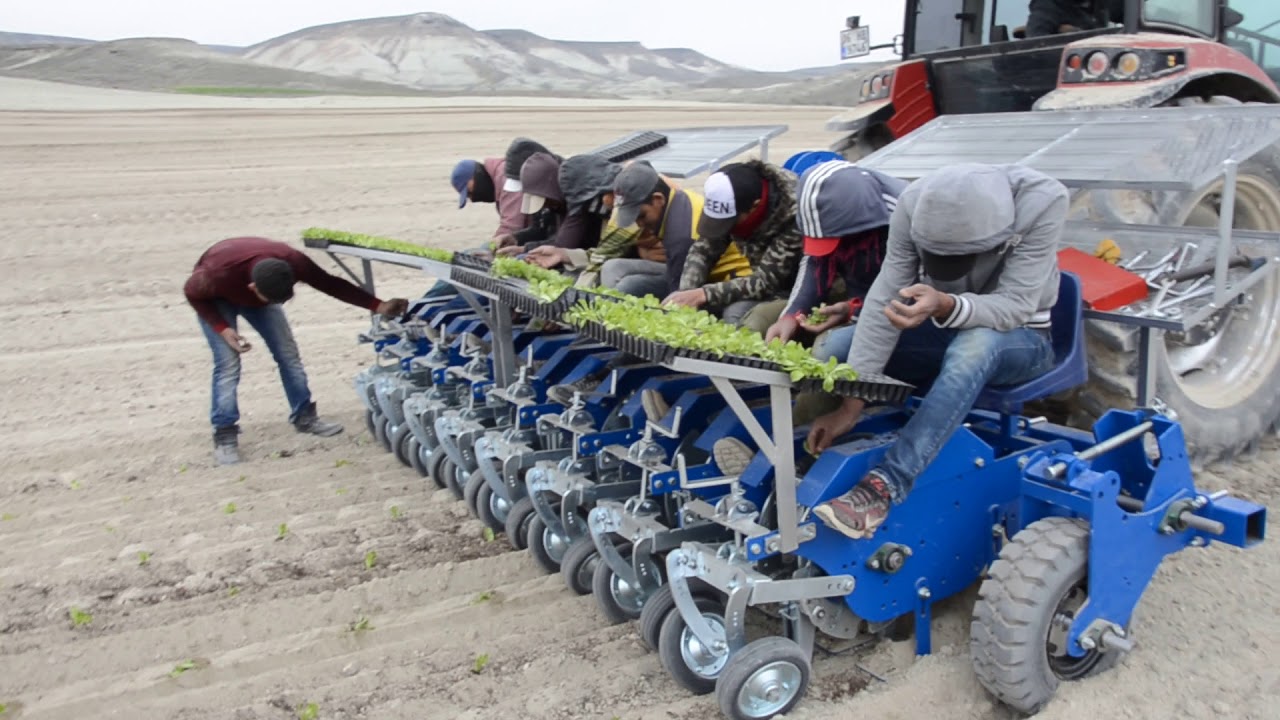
(819, 613)
(773, 545)
(979, 462)
(1200, 501)
(1023, 462)
(924, 593)
(755, 548)
(1088, 643)
(848, 585)
(1166, 529)
(874, 564)
(906, 551)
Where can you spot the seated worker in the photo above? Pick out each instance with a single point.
(1054, 17)
(751, 205)
(586, 182)
(666, 216)
(962, 301)
(845, 226)
(540, 224)
(478, 182)
(540, 183)
(253, 277)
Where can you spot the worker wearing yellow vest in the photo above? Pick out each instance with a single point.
(667, 218)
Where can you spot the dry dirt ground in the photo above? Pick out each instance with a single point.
(253, 576)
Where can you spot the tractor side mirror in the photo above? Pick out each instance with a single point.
(1230, 18)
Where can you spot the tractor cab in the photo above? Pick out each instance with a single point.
(985, 56)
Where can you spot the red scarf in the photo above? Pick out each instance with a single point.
(752, 221)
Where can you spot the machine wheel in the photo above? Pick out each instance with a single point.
(381, 424)
(579, 565)
(694, 666)
(765, 679)
(618, 601)
(492, 509)
(400, 445)
(417, 458)
(452, 480)
(1219, 378)
(546, 547)
(470, 490)
(517, 524)
(661, 602)
(369, 423)
(435, 469)
(1032, 592)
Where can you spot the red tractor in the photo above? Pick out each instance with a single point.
(977, 57)
(973, 56)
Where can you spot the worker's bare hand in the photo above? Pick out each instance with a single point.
(783, 329)
(825, 430)
(504, 240)
(695, 298)
(836, 314)
(919, 303)
(510, 250)
(548, 256)
(236, 342)
(393, 308)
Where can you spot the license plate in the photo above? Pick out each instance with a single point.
(855, 43)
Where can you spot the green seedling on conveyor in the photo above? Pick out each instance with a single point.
(377, 243)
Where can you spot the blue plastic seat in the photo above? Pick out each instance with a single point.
(802, 161)
(1071, 364)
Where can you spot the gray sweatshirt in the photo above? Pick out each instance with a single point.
(993, 211)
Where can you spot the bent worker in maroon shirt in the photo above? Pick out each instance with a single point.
(252, 277)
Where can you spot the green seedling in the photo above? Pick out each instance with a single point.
(242, 478)
(282, 531)
(310, 711)
(233, 591)
(182, 468)
(341, 463)
(816, 317)
(230, 508)
(144, 557)
(79, 617)
(361, 625)
(483, 597)
(8, 516)
(377, 243)
(488, 535)
(108, 528)
(395, 512)
(75, 484)
(340, 491)
(182, 667)
(370, 559)
(481, 661)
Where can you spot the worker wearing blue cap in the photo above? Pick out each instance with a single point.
(484, 182)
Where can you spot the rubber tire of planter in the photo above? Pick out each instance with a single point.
(579, 564)
(662, 602)
(369, 423)
(1035, 571)
(471, 490)
(602, 589)
(435, 469)
(380, 432)
(669, 649)
(399, 445)
(449, 472)
(1224, 412)
(414, 451)
(484, 509)
(517, 525)
(773, 654)
(537, 548)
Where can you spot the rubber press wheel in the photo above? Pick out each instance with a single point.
(691, 664)
(450, 474)
(765, 679)
(492, 509)
(380, 426)
(370, 424)
(618, 600)
(547, 548)
(416, 459)
(579, 565)
(435, 468)
(1026, 605)
(662, 602)
(399, 445)
(472, 488)
(517, 525)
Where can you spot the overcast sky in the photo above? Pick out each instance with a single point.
(760, 34)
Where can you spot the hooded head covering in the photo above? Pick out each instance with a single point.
(540, 180)
(837, 199)
(585, 178)
(961, 212)
(518, 151)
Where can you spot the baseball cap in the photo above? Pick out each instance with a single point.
(520, 150)
(631, 189)
(727, 192)
(462, 174)
(837, 199)
(540, 180)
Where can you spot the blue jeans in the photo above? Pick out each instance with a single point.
(957, 364)
(271, 323)
(634, 276)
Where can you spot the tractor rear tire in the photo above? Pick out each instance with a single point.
(1219, 382)
(1040, 573)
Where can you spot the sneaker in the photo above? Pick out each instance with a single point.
(655, 406)
(226, 448)
(563, 394)
(309, 422)
(732, 456)
(860, 512)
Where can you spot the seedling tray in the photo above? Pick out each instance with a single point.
(472, 262)
(878, 389)
(475, 280)
(514, 296)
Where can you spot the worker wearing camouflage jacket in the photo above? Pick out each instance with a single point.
(751, 205)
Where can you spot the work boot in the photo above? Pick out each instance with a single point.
(563, 393)
(860, 512)
(226, 445)
(309, 422)
(655, 406)
(732, 456)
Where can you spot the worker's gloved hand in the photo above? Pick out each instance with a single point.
(784, 329)
(236, 342)
(393, 308)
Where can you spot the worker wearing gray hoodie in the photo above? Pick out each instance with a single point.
(962, 301)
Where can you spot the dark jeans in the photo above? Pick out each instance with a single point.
(959, 364)
(271, 323)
